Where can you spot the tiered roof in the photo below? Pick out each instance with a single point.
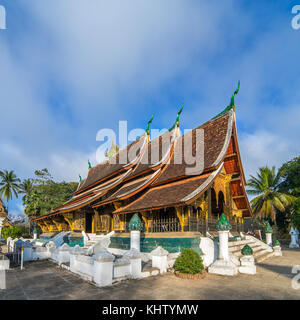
(150, 183)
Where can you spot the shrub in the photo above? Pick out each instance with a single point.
(13, 232)
(189, 261)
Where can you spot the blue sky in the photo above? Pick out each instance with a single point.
(70, 68)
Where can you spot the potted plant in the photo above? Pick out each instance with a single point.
(189, 265)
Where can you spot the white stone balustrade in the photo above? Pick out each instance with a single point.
(247, 265)
(121, 268)
(135, 240)
(103, 268)
(61, 254)
(135, 263)
(4, 265)
(160, 259)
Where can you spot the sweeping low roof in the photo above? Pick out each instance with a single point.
(169, 170)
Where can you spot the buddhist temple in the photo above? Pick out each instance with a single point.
(176, 200)
(3, 217)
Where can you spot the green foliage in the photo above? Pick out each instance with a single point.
(46, 194)
(189, 262)
(9, 185)
(290, 172)
(268, 197)
(295, 215)
(13, 232)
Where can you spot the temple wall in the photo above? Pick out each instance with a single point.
(150, 241)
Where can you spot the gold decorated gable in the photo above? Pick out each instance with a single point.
(3, 212)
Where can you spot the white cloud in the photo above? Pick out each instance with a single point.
(264, 148)
(74, 67)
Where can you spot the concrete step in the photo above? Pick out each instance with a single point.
(239, 242)
(260, 252)
(264, 257)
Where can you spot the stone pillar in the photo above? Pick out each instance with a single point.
(268, 232)
(73, 253)
(223, 265)
(294, 238)
(135, 227)
(135, 263)
(247, 261)
(277, 249)
(223, 245)
(269, 238)
(103, 268)
(160, 259)
(4, 265)
(35, 234)
(135, 240)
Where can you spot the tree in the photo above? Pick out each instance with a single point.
(268, 197)
(290, 173)
(9, 185)
(46, 194)
(26, 187)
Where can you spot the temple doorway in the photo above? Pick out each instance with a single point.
(88, 222)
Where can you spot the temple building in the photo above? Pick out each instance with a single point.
(178, 184)
(3, 217)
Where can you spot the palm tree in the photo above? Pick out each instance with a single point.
(9, 185)
(26, 187)
(268, 198)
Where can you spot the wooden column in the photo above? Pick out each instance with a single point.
(179, 216)
(209, 203)
(145, 219)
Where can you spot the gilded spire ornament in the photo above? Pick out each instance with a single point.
(114, 149)
(148, 125)
(177, 119)
(232, 103)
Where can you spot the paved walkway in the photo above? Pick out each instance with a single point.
(45, 280)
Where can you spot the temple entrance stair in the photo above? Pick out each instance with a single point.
(261, 251)
(93, 238)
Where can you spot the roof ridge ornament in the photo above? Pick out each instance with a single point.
(80, 179)
(89, 163)
(113, 150)
(232, 103)
(148, 125)
(177, 119)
